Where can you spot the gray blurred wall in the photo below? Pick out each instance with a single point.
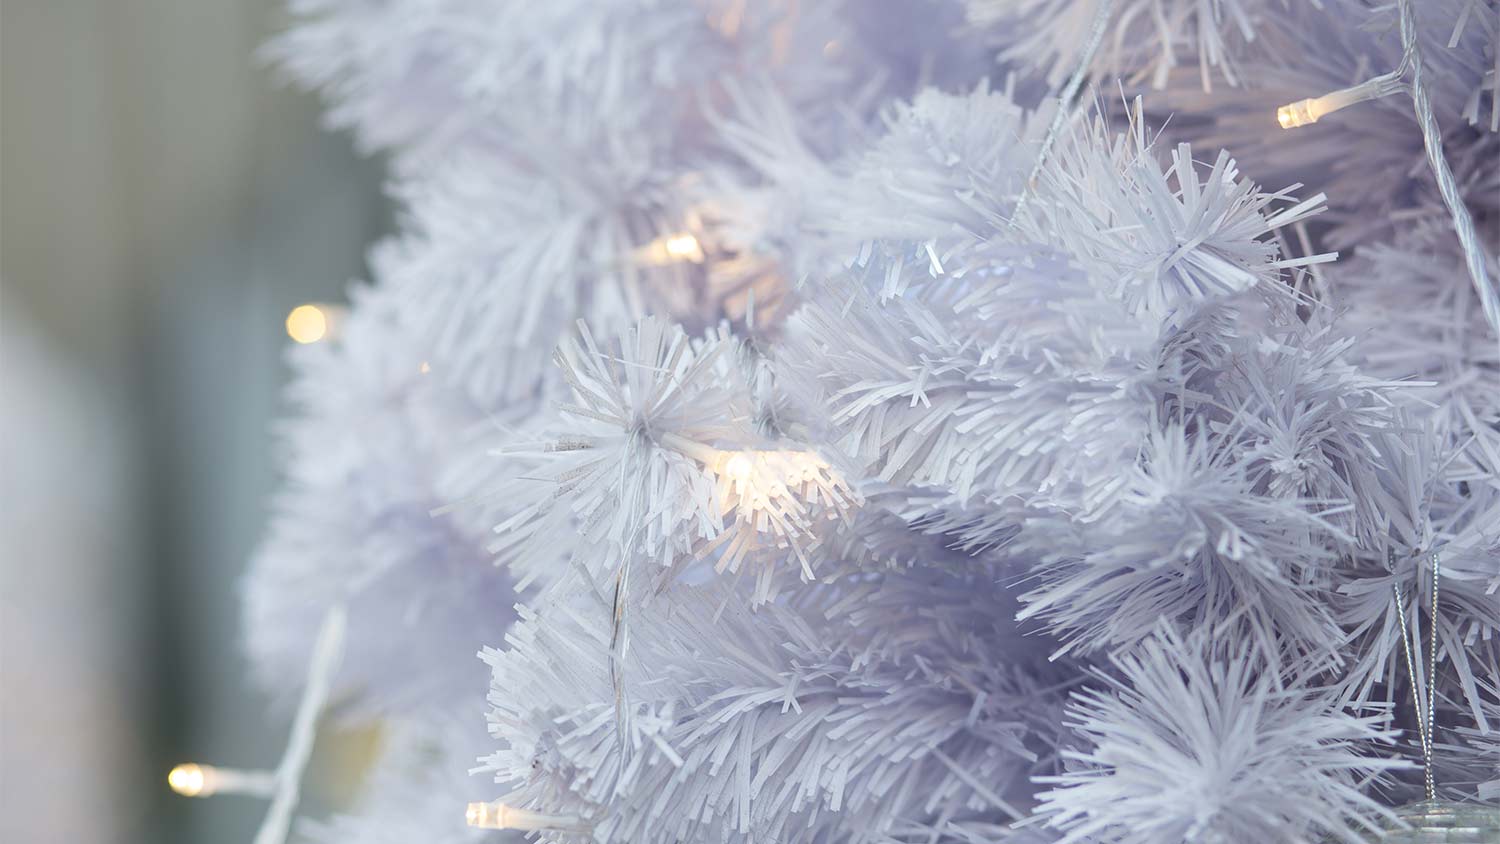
(163, 204)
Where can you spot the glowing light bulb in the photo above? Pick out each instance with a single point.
(192, 780)
(1300, 113)
(672, 249)
(739, 467)
(307, 324)
(684, 247)
(1311, 110)
(282, 786)
(500, 816)
(425, 368)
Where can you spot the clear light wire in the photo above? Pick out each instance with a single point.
(1065, 100)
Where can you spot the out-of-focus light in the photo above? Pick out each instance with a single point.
(191, 780)
(672, 249)
(307, 324)
(500, 816)
(728, 23)
(482, 815)
(684, 247)
(424, 368)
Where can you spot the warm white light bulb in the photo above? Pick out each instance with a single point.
(672, 249)
(500, 816)
(739, 467)
(191, 780)
(684, 247)
(307, 324)
(1300, 113)
(1311, 110)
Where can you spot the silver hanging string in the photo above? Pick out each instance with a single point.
(1422, 700)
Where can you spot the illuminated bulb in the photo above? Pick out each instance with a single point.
(425, 368)
(1309, 111)
(739, 467)
(1300, 113)
(672, 249)
(306, 324)
(192, 780)
(501, 816)
(282, 786)
(684, 247)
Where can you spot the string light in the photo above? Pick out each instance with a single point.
(684, 247)
(193, 780)
(282, 786)
(307, 324)
(758, 477)
(738, 468)
(778, 496)
(755, 478)
(1309, 111)
(672, 249)
(315, 321)
(498, 815)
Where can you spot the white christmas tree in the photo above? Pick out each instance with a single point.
(905, 420)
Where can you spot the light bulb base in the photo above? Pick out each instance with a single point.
(1300, 113)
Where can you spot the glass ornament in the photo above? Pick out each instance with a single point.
(1444, 822)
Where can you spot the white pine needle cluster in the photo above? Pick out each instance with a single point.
(875, 707)
(1194, 741)
(1146, 41)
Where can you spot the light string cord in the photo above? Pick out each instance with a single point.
(1424, 712)
(1065, 101)
(283, 785)
(1309, 111)
(1432, 140)
(327, 653)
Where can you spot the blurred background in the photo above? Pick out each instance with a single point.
(166, 203)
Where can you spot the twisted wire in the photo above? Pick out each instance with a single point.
(1432, 677)
(1432, 140)
(1422, 700)
(1065, 100)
